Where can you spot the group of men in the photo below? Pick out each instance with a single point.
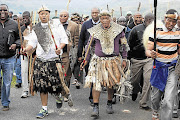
(59, 44)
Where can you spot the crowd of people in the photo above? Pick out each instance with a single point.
(46, 54)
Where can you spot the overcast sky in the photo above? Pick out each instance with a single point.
(84, 6)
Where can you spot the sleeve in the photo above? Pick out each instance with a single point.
(86, 48)
(151, 41)
(81, 41)
(76, 35)
(32, 39)
(17, 38)
(124, 45)
(63, 36)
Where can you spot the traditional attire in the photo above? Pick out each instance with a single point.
(105, 63)
(46, 77)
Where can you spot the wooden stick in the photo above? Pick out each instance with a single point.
(139, 7)
(55, 13)
(35, 18)
(88, 48)
(121, 10)
(31, 77)
(31, 24)
(20, 35)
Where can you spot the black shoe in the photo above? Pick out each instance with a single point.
(59, 102)
(147, 108)
(91, 102)
(95, 112)
(114, 100)
(175, 115)
(109, 108)
(5, 108)
(134, 96)
(18, 85)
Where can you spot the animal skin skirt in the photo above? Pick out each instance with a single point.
(103, 71)
(46, 77)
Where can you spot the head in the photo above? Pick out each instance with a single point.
(15, 17)
(148, 19)
(121, 21)
(44, 14)
(75, 17)
(114, 19)
(64, 15)
(178, 23)
(137, 18)
(10, 14)
(20, 17)
(26, 18)
(105, 19)
(95, 14)
(4, 12)
(86, 18)
(170, 19)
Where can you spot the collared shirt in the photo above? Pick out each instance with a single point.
(59, 36)
(167, 42)
(95, 23)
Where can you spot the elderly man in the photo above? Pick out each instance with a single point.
(9, 41)
(141, 65)
(69, 56)
(46, 78)
(163, 77)
(84, 37)
(137, 19)
(105, 60)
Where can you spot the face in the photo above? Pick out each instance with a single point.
(3, 12)
(122, 22)
(26, 20)
(21, 20)
(15, 18)
(63, 17)
(148, 21)
(44, 16)
(170, 23)
(138, 19)
(10, 15)
(114, 19)
(95, 14)
(105, 20)
(178, 23)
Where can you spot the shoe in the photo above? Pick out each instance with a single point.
(5, 108)
(74, 82)
(65, 99)
(42, 113)
(25, 94)
(175, 115)
(109, 108)
(95, 112)
(155, 116)
(70, 101)
(91, 102)
(134, 96)
(147, 108)
(114, 100)
(59, 102)
(18, 85)
(104, 89)
(78, 85)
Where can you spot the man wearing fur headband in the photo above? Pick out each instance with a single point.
(105, 64)
(163, 77)
(46, 77)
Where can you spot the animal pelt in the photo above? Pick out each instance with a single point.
(150, 30)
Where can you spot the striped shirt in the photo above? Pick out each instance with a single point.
(167, 44)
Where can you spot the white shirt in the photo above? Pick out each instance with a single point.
(59, 36)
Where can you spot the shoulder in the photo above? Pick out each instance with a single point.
(71, 23)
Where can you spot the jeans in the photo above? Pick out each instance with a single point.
(7, 66)
(18, 70)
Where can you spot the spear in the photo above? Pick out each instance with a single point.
(155, 11)
(139, 7)
(20, 35)
(121, 10)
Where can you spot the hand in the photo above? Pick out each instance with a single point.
(83, 65)
(124, 64)
(22, 52)
(153, 54)
(80, 59)
(58, 51)
(12, 47)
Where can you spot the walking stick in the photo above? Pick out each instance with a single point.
(139, 7)
(20, 35)
(121, 10)
(30, 57)
(155, 11)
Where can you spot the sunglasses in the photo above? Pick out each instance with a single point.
(3, 10)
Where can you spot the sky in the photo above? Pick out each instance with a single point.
(84, 6)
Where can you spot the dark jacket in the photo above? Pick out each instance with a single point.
(9, 34)
(137, 49)
(84, 36)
